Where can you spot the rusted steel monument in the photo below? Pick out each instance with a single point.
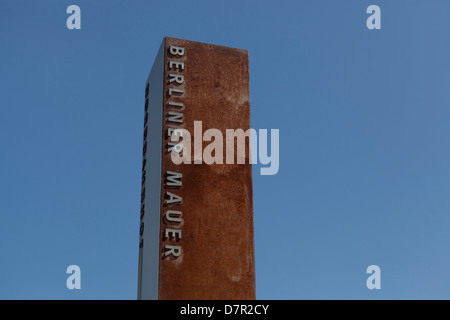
(196, 234)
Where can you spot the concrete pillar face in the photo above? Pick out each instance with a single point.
(196, 236)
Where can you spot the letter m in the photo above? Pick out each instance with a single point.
(172, 179)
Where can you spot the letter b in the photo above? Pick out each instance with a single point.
(176, 51)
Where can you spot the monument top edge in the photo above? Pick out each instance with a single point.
(204, 43)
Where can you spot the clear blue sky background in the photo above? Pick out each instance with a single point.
(364, 119)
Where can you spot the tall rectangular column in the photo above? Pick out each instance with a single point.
(196, 235)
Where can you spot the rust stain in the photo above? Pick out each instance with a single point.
(217, 260)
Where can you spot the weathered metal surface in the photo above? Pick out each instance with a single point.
(213, 225)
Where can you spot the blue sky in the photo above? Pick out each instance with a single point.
(364, 120)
